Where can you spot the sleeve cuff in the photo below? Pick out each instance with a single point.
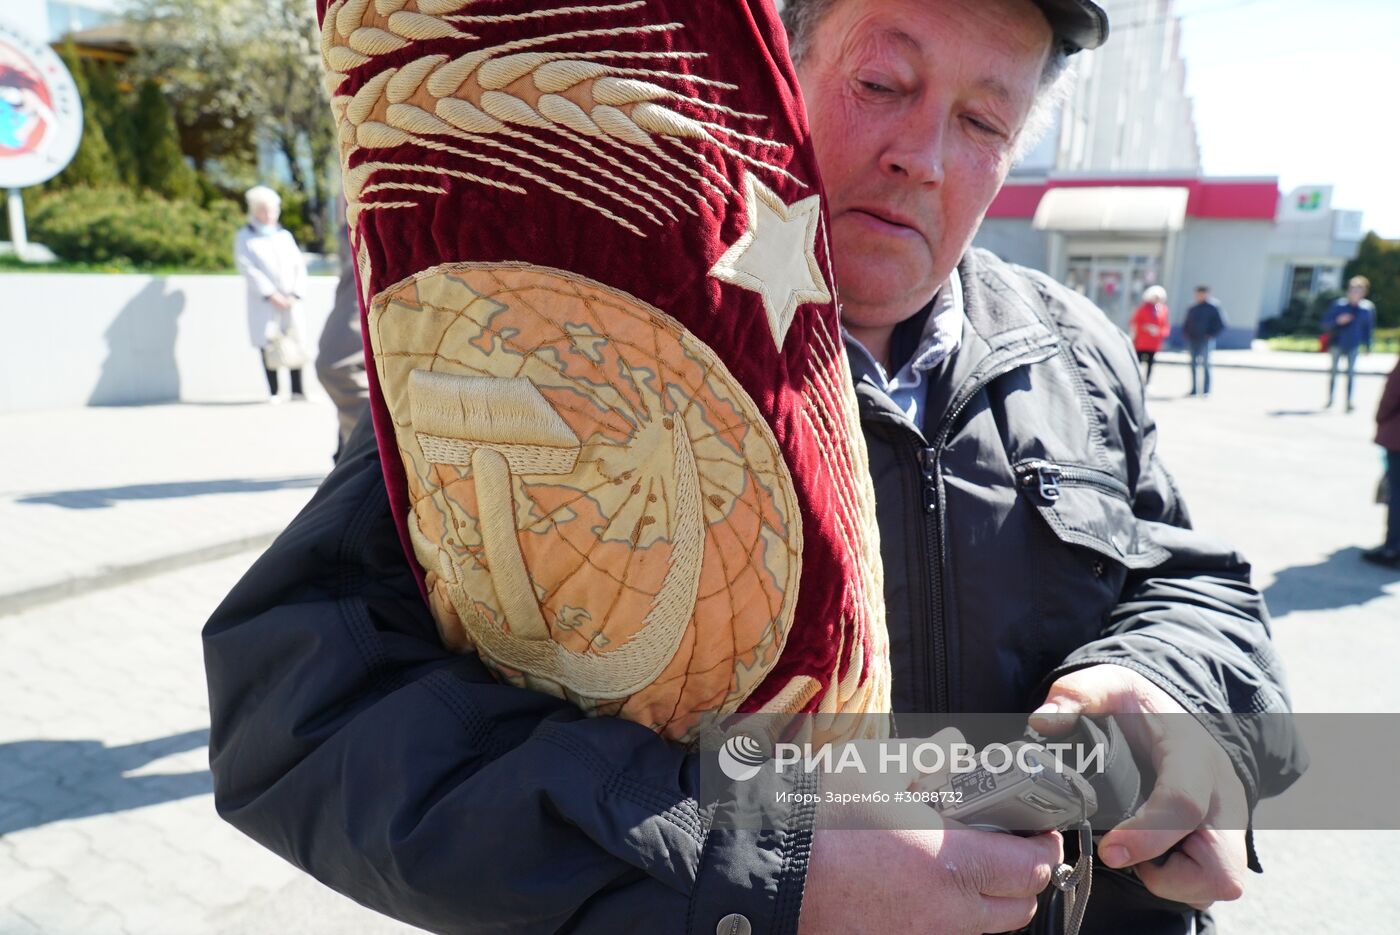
(751, 881)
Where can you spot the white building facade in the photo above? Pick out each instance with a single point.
(50, 20)
(1114, 199)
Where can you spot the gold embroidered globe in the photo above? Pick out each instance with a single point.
(602, 511)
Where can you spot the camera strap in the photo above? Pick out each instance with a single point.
(1074, 882)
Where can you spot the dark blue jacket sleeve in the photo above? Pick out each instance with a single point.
(346, 739)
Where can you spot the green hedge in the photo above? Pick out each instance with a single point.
(1387, 341)
(139, 230)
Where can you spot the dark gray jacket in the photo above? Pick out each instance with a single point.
(347, 740)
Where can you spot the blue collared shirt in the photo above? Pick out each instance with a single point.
(942, 335)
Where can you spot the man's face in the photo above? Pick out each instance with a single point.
(1201, 295)
(264, 213)
(1356, 293)
(915, 107)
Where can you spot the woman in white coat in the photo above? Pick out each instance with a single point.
(270, 261)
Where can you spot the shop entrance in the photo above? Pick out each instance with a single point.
(1113, 281)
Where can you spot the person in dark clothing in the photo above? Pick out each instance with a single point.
(1038, 557)
(1349, 324)
(1204, 323)
(340, 356)
(1388, 437)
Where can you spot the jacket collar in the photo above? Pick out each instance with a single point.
(1004, 328)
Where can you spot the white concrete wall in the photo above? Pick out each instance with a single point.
(72, 339)
(1015, 240)
(1232, 258)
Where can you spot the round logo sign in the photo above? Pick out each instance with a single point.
(41, 115)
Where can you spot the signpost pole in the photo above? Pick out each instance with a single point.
(18, 236)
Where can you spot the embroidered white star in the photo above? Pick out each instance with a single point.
(776, 256)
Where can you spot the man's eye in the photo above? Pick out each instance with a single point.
(874, 87)
(982, 127)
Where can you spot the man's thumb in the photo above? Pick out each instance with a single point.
(1070, 695)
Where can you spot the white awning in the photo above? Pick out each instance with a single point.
(1126, 209)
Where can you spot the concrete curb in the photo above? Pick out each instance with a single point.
(1362, 370)
(115, 575)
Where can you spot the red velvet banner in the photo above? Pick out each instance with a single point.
(608, 380)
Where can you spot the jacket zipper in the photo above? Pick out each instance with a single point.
(934, 537)
(927, 459)
(1048, 476)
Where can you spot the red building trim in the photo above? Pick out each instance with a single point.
(1213, 199)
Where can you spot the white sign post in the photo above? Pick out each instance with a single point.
(41, 121)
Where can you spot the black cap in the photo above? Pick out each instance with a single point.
(1078, 24)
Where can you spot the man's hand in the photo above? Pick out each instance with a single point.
(899, 867)
(953, 881)
(1197, 789)
(1345, 318)
(280, 301)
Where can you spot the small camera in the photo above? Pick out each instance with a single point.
(1035, 784)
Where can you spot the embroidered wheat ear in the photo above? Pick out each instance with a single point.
(579, 124)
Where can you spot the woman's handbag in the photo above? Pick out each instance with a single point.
(284, 350)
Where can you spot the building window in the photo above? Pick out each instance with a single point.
(1300, 282)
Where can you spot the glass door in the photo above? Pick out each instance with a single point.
(1114, 283)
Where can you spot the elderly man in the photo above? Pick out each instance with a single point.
(1037, 558)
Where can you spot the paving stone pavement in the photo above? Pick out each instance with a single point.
(101, 495)
(107, 823)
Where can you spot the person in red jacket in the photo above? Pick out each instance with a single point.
(1388, 437)
(1150, 326)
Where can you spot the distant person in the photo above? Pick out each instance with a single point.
(1204, 322)
(270, 260)
(1349, 323)
(340, 356)
(1150, 326)
(1388, 437)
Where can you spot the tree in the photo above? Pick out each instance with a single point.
(110, 108)
(92, 165)
(1379, 261)
(160, 166)
(242, 72)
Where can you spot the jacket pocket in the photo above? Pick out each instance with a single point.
(1090, 508)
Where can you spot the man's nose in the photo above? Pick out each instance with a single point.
(918, 153)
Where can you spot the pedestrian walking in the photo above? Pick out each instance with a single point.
(1388, 437)
(271, 262)
(1350, 322)
(1150, 326)
(1204, 322)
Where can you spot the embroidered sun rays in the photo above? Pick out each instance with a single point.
(624, 132)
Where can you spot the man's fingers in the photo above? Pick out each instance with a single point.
(1087, 691)
(1012, 867)
(1176, 808)
(1002, 914)
(1179, 803)
(1207, 869)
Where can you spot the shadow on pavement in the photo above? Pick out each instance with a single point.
(102, 497)
(1298, 412)
(53, 780)
(1340, 580)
